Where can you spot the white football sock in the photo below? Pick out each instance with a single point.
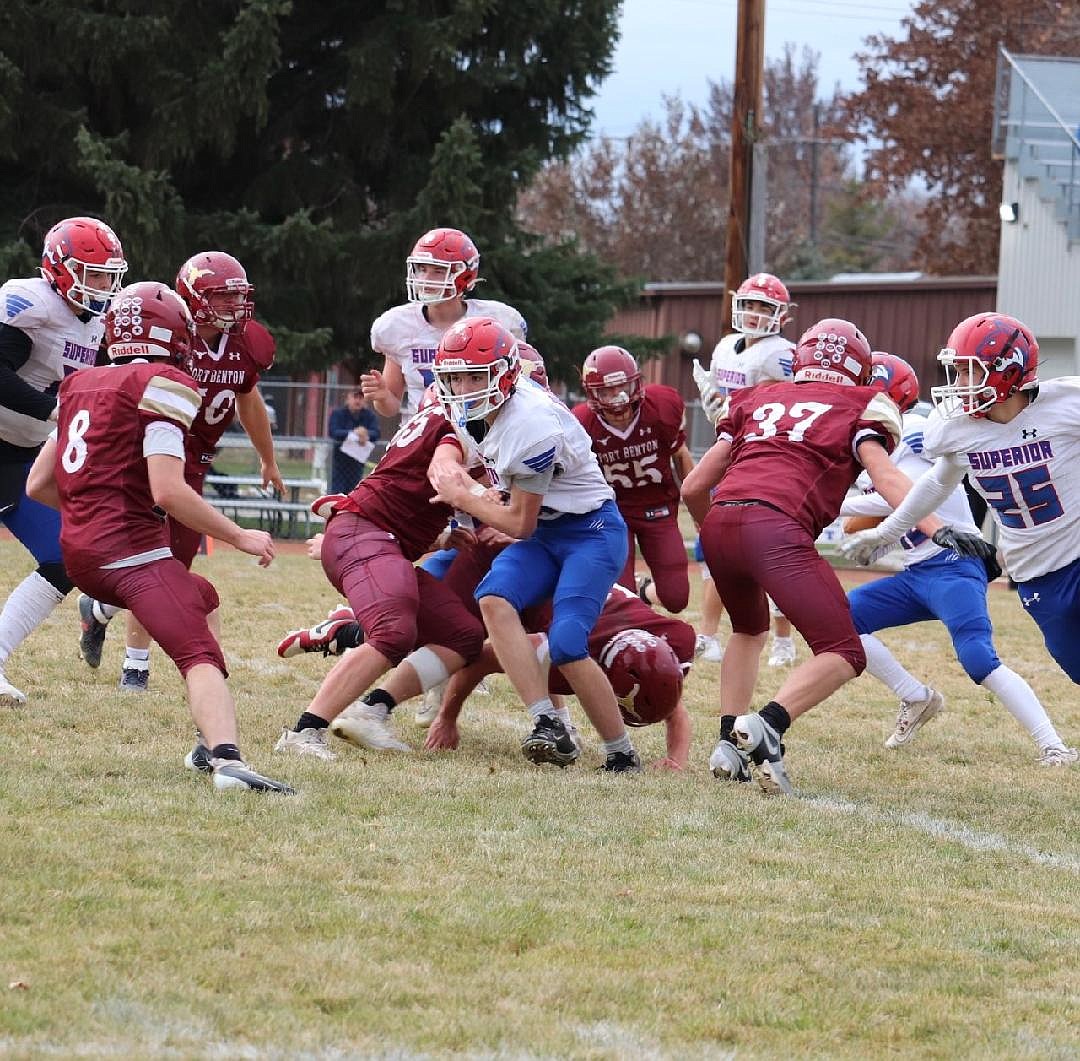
(1022, 703)
(883, 665)
(136, 658)
(542, 707)
(31, 602)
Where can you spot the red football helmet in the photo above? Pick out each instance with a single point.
(79, 245)
(833, 351)
(997, 354)
(215, 287)
(149, 320)
(645, 674)
(476, 345)
(444, 264)
(761, 287)
(532, 364)
(611, 368)
(896, 378)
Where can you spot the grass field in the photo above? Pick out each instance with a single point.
(920, 903)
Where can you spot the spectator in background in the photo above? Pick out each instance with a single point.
(353, 427)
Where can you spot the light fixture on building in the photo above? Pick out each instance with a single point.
(690, 343)
(1009, 213)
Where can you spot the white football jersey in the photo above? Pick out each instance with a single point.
(404, 335)
(535, 432)
(61, 343)
(909, 456)
(735, 365)
(1029, 472)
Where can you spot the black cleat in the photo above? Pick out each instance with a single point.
(134, 681)
(199, 759)
(621, 763)
(550, 742)
(93, 632)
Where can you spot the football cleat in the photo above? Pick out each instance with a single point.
(708, 649)
(1058, 756)
(429, 706)
(324, 506)
(729, 763)
(235, 774)
(307, 742)
(550, 742)
(366, 727)
(322, 637)
(9, 695)
(912, 716)
(199, 759)
(134, 679)
(621, 763)
(93, 632)
(762, 744)
(783, 652)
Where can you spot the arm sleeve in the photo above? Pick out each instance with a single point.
(925, 497)
(15, 393)
(865, 505)
(162, 438)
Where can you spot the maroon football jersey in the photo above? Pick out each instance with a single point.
(624, 610)
(637, 461)
(793, 445)
(106, 504)
(397, 495)
(232, 367)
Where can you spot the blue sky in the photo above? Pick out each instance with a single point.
(670, 46)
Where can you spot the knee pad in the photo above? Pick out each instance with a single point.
(430, 670)
(57, 577)
(977, 656)
(568, 640)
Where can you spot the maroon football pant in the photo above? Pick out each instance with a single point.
(662, 549)
(170, 601)
(398, 606)
(753, 551)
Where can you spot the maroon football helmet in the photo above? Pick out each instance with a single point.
(896, 378)
(645, 674)
(766, 288)
(612, 368)
(999, 356)
(476, 345)
(215, 287)
(149, 320)
(532, 364)
(79, 245)
(833, 351)
(444, 264)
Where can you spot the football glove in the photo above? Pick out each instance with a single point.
(866, 546)
(963, 543)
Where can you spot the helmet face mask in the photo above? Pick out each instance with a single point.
(483, 350)
(149, 321)
(216, 289)
(612, 382)
(83, 260)
(443, 265)
(988, 358)
(761, 306)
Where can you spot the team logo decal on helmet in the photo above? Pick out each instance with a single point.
(896, 378)
(148, 320)
(612, 380)
(216, 289)
(833, 351)
(645, 675)
(476, 346)
(83, 260)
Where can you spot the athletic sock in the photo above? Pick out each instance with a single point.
(1022, 703)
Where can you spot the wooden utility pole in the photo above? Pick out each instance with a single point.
(745, 127)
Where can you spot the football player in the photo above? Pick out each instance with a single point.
(231, 352)
(1018, 440)
(440, 273)
(571, 539)
(51, 326)
(785, 457)
(372, 538)
(638, 437)
(119, 451)
(755, 352)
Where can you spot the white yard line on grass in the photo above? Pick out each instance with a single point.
(952, 832)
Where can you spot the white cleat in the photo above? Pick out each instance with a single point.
(762, 744)
(912, 716)
(364, 726)
(307, 742)
(429, 706)
(231, 775)
(9, 695)
(1058, 756)
(708, 649)
(729, 763)
(782, 653)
